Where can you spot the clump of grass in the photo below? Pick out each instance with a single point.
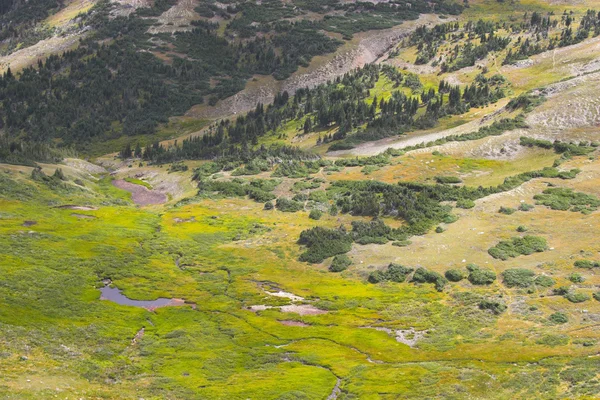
(518, 246)
(521, 228)
(576, 278)
(526, 207)
(506, 210)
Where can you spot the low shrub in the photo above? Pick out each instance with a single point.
(323, 243)
(425, 276)
(480, 276)
(287, 205)
(518, 246)
(518, 277)
(558, 318)
(577, 297)
(315, 214)
(340, 263)
(395, 273)
(544, 281)
(576, 278)
(506, 210)
(526, 207)
(586, 264)
(447, 179)
(495, 307)
(454, 275)
(465, 203)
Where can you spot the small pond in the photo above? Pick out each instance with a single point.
(114, 294)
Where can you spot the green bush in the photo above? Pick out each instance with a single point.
(526, 207)
(577, 297)
(447, 179)
(439, 229)
(518, 246)
(564, 199)
(597, 296)
(586, 264)
(506, 210)
(576, 278)
(323, 243)
(315, 214)
(495, 307)
(480, 276)
(269, 205)
(287, 205)
(465, 203)
(518, 277)
(424, 276)
(544, 281)
(558, 318)
(561, 291)
(454, 275)
(521, 228)
(401, 243)
(340, 263)
(395, 273)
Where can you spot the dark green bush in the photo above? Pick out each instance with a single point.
(586, 264)
(526, 207)
(395, 273)
(422, 275)
(558, 318)
(521, 228)
(480, 276)
(597, 296)
(544, 281)
(315, 214)
(447, 179)
(454, 275)
(323, 243)
(495, 307)
(507, 210)
(518, 246)
(340, 263)
(518, 277)
(287, 205)
(577, 297)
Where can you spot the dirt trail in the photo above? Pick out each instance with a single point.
(139, 194)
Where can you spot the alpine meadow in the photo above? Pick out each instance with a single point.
(299, 199)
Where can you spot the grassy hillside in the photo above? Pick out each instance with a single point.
(421, 227)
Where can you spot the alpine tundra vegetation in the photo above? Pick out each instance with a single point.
(299, 199)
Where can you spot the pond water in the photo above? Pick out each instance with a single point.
(114, 294)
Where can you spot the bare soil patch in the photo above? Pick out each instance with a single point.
(80, 208)
(139, 194)
(294, 323)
